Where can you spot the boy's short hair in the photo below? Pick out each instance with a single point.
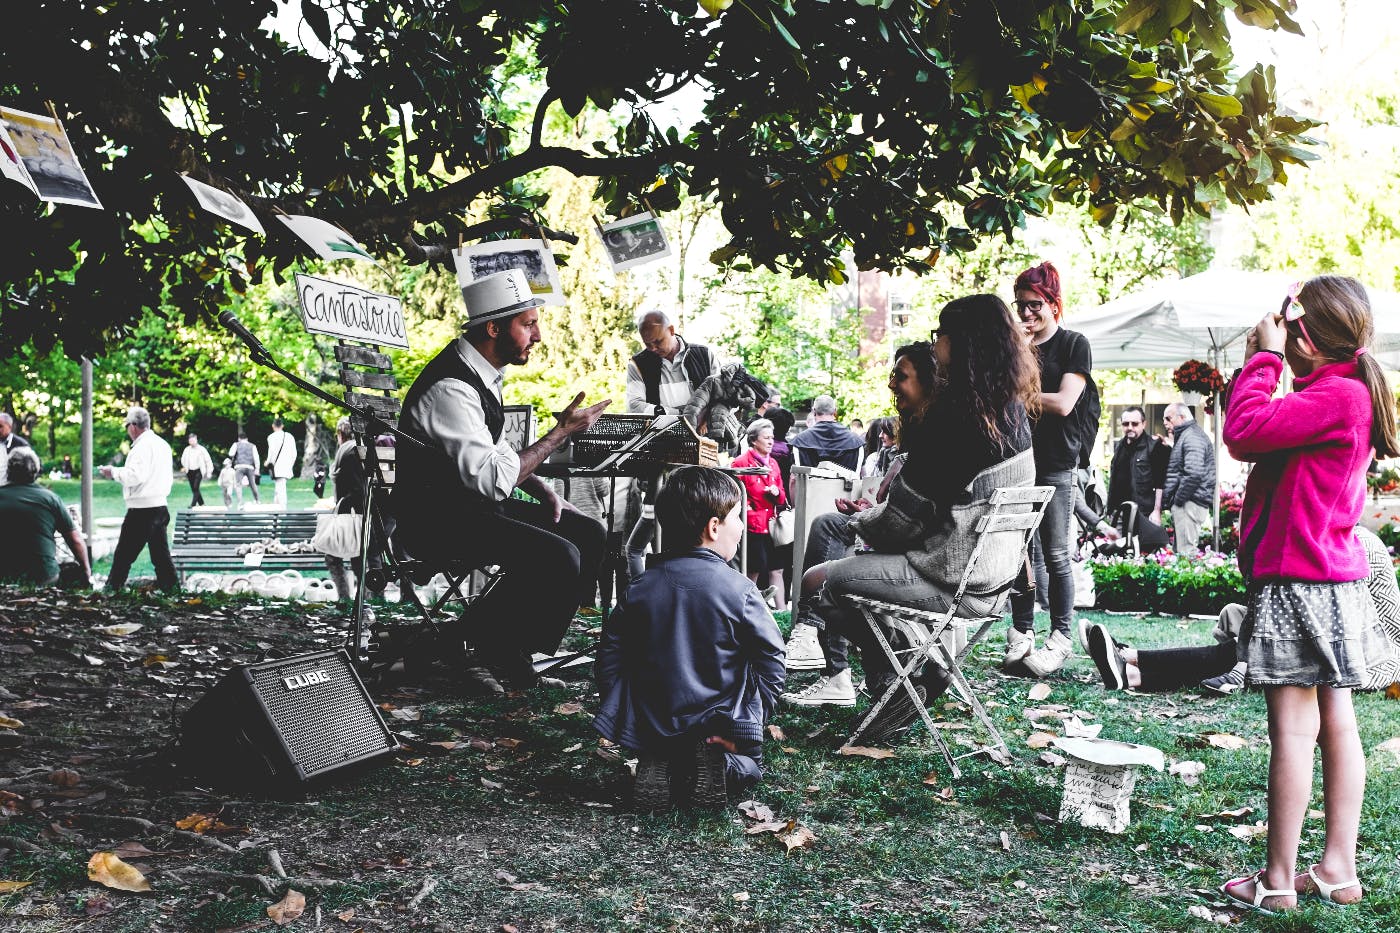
(691, 497)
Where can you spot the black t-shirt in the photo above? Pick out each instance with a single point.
(1056, 437)
(948, 448)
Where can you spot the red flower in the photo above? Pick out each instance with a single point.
(1196, 376)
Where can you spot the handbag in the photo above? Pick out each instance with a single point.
(782, 527)
(338, 534)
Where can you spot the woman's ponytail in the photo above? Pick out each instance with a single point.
(1382, 406)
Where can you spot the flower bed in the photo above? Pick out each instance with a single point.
(1166, 583)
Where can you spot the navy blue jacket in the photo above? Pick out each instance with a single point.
(828, 440)
(690, 648)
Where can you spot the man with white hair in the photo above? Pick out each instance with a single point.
(660, 380)
(1190, 488)
(146, 479)
(827, 439)
(9, 440)
(31, 515)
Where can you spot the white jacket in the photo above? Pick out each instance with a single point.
(148, 474)
(196, 458)
(281, 454)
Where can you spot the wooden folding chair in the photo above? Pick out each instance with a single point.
(940, 637)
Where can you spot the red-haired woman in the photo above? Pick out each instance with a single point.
(1065, 365)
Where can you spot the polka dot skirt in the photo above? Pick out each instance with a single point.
(1311, 634)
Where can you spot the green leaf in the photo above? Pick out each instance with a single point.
(1221, 106)
(1135, 15)
(787, 36)
(1263, 168)
(318, 20)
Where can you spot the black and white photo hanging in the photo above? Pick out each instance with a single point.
(533, 257)
(634, 241)
(222, 204)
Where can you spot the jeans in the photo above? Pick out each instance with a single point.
(1174, 668)
(144, 528)
(1053, 554)
(829, 538)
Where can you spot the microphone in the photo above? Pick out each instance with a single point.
(229, 321)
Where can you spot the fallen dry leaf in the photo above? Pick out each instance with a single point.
(1238, 813)
(1040, 739)
(509, 743)
(1189, 771)
(491, 785)
(573, 748)
(1051, 759)
(406, 714)
(945, 796)
(1226, 741)
(99, 906)
(569, 709)
(123, 628)
(346, 915)
(288, 908)
(1317, 815)
(776, 733)
(767, 826)
(106, 869)
(131, 849)
(202, 823)
(1248, 831)
(1005, 841)
(1038, 692)
(931, 779)
(447, 746)
(9, 887)
(7, 723)
(755, 810)
(798, 837)
(65, 777)
(865, 752)
(1393, 691)
(1390, 745)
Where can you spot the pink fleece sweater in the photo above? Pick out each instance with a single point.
(1308, 486)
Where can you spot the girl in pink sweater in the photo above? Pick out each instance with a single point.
(1312, 631)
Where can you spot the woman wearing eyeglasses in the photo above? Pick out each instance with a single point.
(1056, 438)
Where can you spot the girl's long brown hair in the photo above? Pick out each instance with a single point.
(991, 364)
(1337, 312)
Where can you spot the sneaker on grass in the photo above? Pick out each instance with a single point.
(835, 690)
(1107, 658)
(804, 652)
(1047, 660)
(651, 793)
(895, 718)
(1230, 682)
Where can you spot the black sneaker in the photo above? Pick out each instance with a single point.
(480, 682)
(1109, 660)
(1228, 683)
(895, 717)
(708, 792)
(651, 793)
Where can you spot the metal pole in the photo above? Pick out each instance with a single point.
(86, 499)
(1215, 430)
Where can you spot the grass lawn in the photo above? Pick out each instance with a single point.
(523, 826)
(107, 503)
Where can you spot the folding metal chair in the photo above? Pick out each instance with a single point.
(940, 637)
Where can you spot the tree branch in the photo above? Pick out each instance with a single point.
(537, 129)
(416, 252)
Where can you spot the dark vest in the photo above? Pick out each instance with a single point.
(696, 365)
(428, 478)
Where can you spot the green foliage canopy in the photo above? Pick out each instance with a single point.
(825, 126)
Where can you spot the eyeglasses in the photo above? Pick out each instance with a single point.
(1033, 305)
(1132, 424)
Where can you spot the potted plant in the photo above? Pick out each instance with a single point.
(1195, 379)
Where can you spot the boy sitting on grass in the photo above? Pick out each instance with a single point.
(691, 662)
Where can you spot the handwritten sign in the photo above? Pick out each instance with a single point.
(343, 310)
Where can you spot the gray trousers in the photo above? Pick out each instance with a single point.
(1188, 517)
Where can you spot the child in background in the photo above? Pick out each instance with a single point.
(691, 662)
(1311, 632)
(228, 478)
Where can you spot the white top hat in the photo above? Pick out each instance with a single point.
(499, 295)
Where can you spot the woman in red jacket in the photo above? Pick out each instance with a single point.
(766, 496)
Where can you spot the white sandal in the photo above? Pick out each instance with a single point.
(1260, 892)
(1324, 890)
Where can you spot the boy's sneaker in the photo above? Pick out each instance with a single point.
(1109, 660)
(1230, 682)
(835, 690)
(895, 718)
(1018, 645)
(770, 597)
(804, 652)
(651, 792)
(708, 792)
(1049, 659)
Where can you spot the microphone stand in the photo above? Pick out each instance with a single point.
(374, 422)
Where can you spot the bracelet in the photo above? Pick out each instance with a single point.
(1274, 353)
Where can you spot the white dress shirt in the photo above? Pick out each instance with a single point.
(450, 414)
(281, 454)
(147, 476)
(196, 458)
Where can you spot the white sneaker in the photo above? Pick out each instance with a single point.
(770, 597)
(1083, 634)
(1051, 658)
(804, 652)
(835, 690)
(1018, 645)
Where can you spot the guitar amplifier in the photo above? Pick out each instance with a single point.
(282, 725)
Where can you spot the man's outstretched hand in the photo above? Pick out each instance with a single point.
(574, 419)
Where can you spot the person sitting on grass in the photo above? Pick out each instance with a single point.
(691, 661)
(1215, 667)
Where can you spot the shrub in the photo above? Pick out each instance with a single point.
(1166, 583)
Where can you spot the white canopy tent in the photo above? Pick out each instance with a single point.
(1207, 317)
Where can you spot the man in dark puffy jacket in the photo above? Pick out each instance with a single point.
(1190, 489)
(827, 438)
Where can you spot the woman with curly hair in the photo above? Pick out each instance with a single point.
(987, 387)
(1065, 365)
